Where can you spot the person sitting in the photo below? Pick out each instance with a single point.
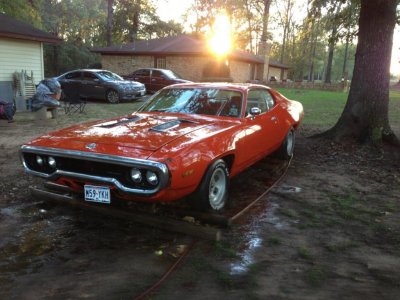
(47, 96)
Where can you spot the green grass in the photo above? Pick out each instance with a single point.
(323, 108)
(316, 275)
(304, 253)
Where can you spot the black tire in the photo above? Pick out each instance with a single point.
(286, 149)
(212, 193)
(112, 96)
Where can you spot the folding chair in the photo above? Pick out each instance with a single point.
(73, 102)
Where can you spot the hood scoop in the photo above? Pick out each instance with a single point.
(171, 124)
(115, 123)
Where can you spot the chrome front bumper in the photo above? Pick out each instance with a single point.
(160, 168)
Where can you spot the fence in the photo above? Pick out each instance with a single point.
(337, 87)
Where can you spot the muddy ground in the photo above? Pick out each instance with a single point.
(333, 235)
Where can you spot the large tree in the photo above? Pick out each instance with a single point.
(365, 116)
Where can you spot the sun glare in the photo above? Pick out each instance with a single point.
(220, 40)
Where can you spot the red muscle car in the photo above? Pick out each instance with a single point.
(187, 140)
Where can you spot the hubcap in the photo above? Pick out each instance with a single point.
(217, 189)
(113, 97)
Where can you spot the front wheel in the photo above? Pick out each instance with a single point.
(112, 96)
(212, 192)
(287, 147)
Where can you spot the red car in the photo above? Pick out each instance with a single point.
(187, 140)
(155, 79)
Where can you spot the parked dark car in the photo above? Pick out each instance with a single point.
(155, 79)
(101, 84)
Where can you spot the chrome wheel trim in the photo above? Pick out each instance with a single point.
(217, 189)
(290, 143)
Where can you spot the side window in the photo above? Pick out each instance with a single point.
(73, 75)
(268, 99)
(157, 73)
(89, 76)
(255, 98)
(142, 72)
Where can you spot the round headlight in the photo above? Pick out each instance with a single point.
(136, 175)
(52, 162)
(39, 160)
(151, 177)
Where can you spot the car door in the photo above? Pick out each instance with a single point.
(71, 80)
(91, 86)
(262, 130)
(158, 80)
(143, 76)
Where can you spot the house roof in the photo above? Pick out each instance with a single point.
(12, 28)
(172, 45)
(277, 64)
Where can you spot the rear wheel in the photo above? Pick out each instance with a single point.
(287, 147)
(213, 190)
(112, 96)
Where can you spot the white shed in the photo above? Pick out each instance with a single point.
(21, 49)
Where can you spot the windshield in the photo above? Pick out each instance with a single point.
(107, 76)
(172, 75)
(205, 101)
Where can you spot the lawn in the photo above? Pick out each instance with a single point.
(323, 108)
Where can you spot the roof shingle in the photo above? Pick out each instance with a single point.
(172, 45)
(12, 28)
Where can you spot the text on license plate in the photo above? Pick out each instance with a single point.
(100, 194)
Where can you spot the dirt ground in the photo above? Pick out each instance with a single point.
(331, 231)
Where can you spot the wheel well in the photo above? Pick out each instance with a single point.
(229, 160)
(111, 90)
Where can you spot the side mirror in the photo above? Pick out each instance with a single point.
(254, 111)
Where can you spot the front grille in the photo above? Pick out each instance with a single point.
(87, 167)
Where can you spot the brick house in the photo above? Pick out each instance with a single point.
(185, 55)
(21, 48)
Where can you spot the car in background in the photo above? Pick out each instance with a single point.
(100, 84)
(155, 79)
(187, 140)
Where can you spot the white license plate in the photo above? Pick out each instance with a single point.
(99, 194)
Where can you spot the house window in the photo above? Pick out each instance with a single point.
(160, 62)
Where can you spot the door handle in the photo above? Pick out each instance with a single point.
(274, 118)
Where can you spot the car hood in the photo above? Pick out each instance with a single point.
(179, 80)
(144, 132)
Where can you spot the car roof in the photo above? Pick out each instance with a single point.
(154, 69)
(218, 85)
(88, 70)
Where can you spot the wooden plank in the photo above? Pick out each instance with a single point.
(209, 233)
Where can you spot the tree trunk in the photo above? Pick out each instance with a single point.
(285, 34)
(135, 22)
(346, 50)
(365, 116)
(262, 48)
(331, 49)
(109, 22)
(312, 52)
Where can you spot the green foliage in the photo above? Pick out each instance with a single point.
(68, 57)
(21, 10)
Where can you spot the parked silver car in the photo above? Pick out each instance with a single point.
(101, 84)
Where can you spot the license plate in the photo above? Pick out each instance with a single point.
(99, 194)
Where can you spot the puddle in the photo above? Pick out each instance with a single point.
(253, 240)
(287, 189)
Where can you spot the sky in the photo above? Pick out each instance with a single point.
(174, 9)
